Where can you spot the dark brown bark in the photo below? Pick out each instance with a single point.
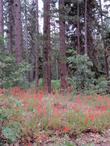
(63, 68)
(26, 26)
(106, 66)
(37, 45)
(47, 48)
(86, 46)
(18, 31)
(11, 27)
(1, 18)
(78, 29)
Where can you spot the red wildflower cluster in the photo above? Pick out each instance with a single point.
(29, 144)
(41, 109)
(2, 91)
(89, 117)
(78, 100)
(16, 91)
(39, 96)
(66, 129)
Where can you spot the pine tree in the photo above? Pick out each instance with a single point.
(1, 18)
(11, 27)
(63, 68)
(46, 48)
(18, 31)
(37, 44)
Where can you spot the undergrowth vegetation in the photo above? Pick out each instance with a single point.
(81, 79)
(27, 117)
(12, 74)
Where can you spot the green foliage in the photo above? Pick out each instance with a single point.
(12, 74)
(102, 85)
(1, 40)
(67, 144)
(55, 84)
(11, 132)
(9, 129)
(83, 77)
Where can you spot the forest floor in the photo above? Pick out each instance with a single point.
(30, 119)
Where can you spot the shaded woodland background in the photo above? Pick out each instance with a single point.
(72, 51)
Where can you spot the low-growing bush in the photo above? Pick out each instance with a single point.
(83, 77)
(102, 85)
(55, 84)
(12, 74)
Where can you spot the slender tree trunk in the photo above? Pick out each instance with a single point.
(63, 68)
(103, 42)
(26, 26)
(86, 37)
(47, 48)
(11, 28)
(1, 18)
(37, 45)
(78, 28)
(18, 30)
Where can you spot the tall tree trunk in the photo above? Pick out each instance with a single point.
(37, 45)
(63, 68)
(11, 28)
(47, 48)
(86, 38)
(26, 25)
(1, 18)
(78, 28)
(103, 42)
(18, 30)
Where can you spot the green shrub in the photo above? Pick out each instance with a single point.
(1, 40)
(83, 77)
(55, 84)
(102, 85)
(12, 74)
(10, 130)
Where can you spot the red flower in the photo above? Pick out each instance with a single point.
(40, 95)
(92, 117)
(86, 120)
(55, 111)
(29, 144)
(100, 99)
(104, 108)
(39, 109)
(66, 129)
(78, 100)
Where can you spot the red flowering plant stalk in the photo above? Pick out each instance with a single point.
(78, 100)
(56, 111)
(89, 118)
(66, 129)
(29, 144)
(2, 91)
(39, 96)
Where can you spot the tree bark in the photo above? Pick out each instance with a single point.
(18, 30)
(86, 46)
(37, 45)
(47, 48)
(78, 28)
(63, 67)
(1, 18)
(103, 42)
(11, 27)
(26, 25)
